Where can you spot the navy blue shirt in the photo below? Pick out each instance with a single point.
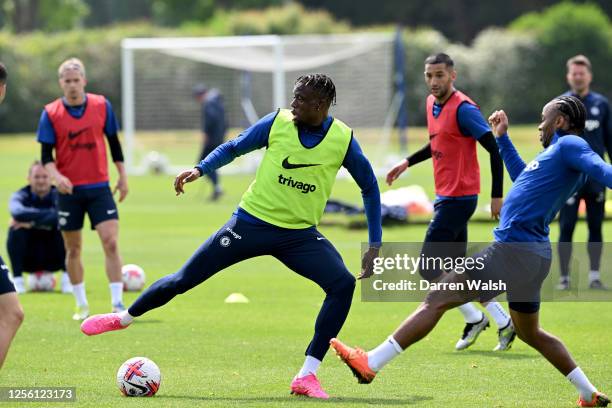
(355, 162)
(213, 117)
(598, 130)
(543, 186)
(25, 206)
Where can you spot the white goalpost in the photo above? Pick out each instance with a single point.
(255, 75)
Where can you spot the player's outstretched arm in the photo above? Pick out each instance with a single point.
(396, 171)
(499, 126)
(251, 139)
(360, 169)
(423, 154)
(578, 155)
(186, 176)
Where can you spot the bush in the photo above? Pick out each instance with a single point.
(33, 59)
(519, 68)
(561, 32)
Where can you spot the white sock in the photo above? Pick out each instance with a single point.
(116, 290)
(594, 275)
(126, 318)
(470, 313)
(311, 365)
(79, 294)
(498, 313)
(582, 384)
(381, 355)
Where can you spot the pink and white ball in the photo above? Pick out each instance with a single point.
(41, 281)
(138, 377)
(133, 278)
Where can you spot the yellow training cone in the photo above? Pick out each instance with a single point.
(236, 298)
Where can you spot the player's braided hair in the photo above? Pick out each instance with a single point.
(3, 73)
(322, 84)
(573, 109)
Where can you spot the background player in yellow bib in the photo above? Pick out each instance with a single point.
(278, 215)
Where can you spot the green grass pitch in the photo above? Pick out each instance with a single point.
(220, 355)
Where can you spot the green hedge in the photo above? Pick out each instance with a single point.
(33, 59)
(518, 68)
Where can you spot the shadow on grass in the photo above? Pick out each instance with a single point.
(147, 321)
(415, 399)
(504, 355)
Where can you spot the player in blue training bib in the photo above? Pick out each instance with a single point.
(520, 256)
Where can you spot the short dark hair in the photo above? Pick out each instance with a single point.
(579, 60)
(440, 58)
(320, 83)
(34, 164)
(573, 109)
(3, 73)
(199, 89)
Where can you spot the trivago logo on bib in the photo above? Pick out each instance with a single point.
(298, 185)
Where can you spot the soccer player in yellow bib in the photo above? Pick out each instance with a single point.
(278, 216)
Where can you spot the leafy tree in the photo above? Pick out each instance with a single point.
(49, 15)
(563, 31)
(176, 12)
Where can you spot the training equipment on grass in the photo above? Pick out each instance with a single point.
(236, 298)
(41, 281)
(133, 278)
(138, 377)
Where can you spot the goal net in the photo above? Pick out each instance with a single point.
(255, 75)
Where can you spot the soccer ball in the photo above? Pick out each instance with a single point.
(133, 278)
(156, 163)
(138, 377)
(41, 281)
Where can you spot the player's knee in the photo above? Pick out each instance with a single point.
(179, 282)
(18, 316)
(346, 285)
(565, 233)
(73, 251)
(530, 336)
(430, 274)
(436, 302)
(110, 245)
(16, 237)
(595, 235)
(13, 316)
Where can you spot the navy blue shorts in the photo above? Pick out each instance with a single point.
(97, 202)
(305, 251)
(516, 265)
(6, 285)
(450, 226)
(32, 250)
